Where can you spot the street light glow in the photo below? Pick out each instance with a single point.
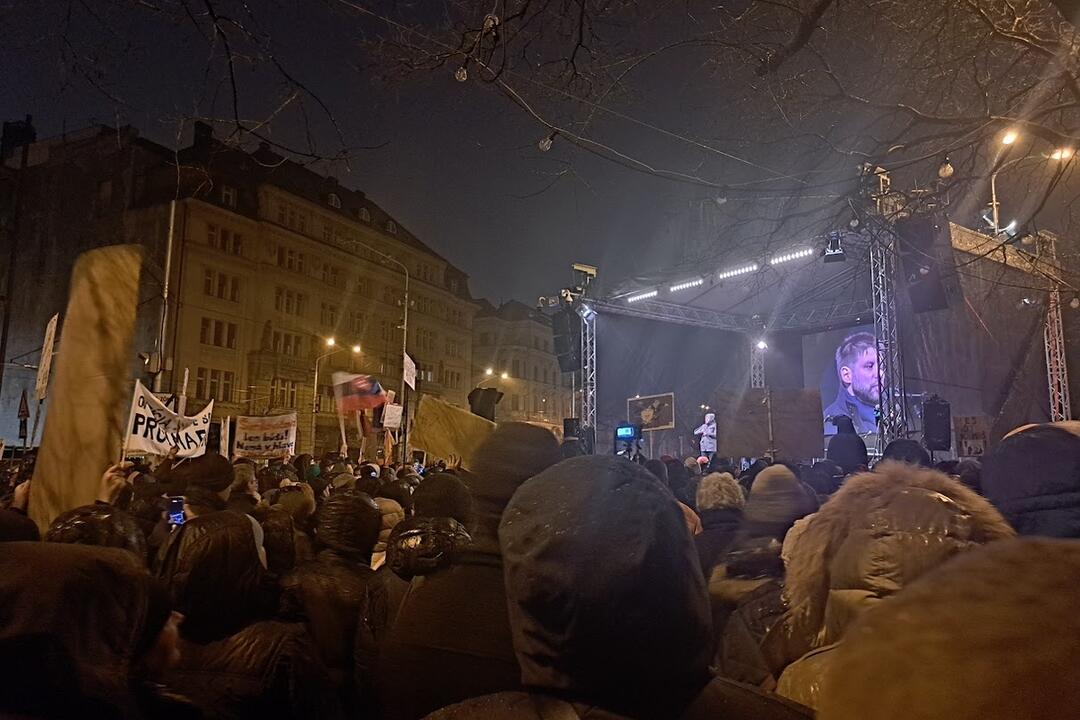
(1061, 154)
(489, 372)
(330, 342)
(1009, 137)
(505, 376)
(356, 349)
(762, 345)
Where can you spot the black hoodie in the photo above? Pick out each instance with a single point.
(608, 607)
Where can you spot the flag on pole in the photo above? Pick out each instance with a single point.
(357, 392)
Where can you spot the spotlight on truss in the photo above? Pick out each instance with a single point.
(834, 251)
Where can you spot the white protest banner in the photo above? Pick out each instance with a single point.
(391, 416)
(154, 428)
(410, 371)
(41, 385)
(264, 438)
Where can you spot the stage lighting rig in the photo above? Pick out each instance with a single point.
(834, 251)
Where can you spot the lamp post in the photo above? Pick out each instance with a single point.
(1010, 137)
(330, 343)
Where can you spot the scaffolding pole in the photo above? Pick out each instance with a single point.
(757, 366)
(588, 367)
(893, 422)
(1057, 373)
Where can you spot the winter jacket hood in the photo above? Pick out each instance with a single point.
(880, 531)
(214, 573)
(606, 599)
(777, 499)
(1033, 477)
(990, 635)
(83, 607)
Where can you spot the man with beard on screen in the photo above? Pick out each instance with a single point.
(859, 394)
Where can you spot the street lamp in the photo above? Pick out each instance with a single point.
(1063, 154)
(1009, 137)
(505, 376)
(330, 343)
(489, 372)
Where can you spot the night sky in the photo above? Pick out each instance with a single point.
(456, 163)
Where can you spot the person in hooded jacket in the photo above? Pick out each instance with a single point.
(1033, 477)
(101, 525)
(608, 606)
(338, 596)
(990, 635)
(746, 583)
(236, 664)
(85, 632)
(879, 533)
(451, 639)
(720, 505)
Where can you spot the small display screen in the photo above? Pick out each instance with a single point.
(626, 432)
(176, 511)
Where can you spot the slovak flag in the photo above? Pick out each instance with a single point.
(357, 392)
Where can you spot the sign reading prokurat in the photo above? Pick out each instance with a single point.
(154, 428)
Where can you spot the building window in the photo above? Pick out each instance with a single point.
(330, 274)
(289, 302)
(356, 323)
(228, 196)
(516, 372)
(365, 215)
(283, 393)
(218, 333)
(221, 285)
(333, 201)
(515, 402)
(453, 349)
(391, 227)
(328, 314)
(213, 384)
(290, 259)
(287, 343)
(425, 340)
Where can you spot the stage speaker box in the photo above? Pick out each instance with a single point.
(566, 327)
(482, 402)
(571, 428)
(920, 262)
(937, 424)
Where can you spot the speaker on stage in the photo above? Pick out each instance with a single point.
(482, 402)
(571, 428)
(919, 249)
(937, 424)
(566, 327)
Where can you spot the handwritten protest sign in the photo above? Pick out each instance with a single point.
(263, 438)
(154, 428)
(444, 430)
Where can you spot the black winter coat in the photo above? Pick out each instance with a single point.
(267, 671)
(719, 528)
(343, 604)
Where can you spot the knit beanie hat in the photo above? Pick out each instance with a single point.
(848, 451)
(510, 455)
(210, 472)
(718, 491)
(443, 495)
(777, 497)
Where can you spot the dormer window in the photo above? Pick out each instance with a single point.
(333, 201)
(365, 215)
(228, 196)
(391, 227)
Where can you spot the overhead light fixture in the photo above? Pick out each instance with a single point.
(587, 313)
(686, 285)
(737, 271)
(762, 345)
(642, 296)
(1009, 137)
(834, 251)
(791, 255)
(1062, 153)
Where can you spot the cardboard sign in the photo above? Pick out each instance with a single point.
(409, 368)
(443, 430)
(41, 384)
(391, 417)
(652, 412)
(264, 438)
(972, 435)
(91, 388)
(154, 428)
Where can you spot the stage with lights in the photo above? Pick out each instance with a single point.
(693, 331)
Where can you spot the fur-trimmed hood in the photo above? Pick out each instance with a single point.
(878, 532)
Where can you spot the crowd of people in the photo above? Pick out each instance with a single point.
(538, 583)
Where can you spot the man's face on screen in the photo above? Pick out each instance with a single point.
(861, 378)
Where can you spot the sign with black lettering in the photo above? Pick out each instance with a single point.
(265, 438)
(154, 428)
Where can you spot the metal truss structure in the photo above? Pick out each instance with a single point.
(588, 365)
(837, 314)
(1057, 374)
(757, 366)
(893, 422)
(675, 313)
